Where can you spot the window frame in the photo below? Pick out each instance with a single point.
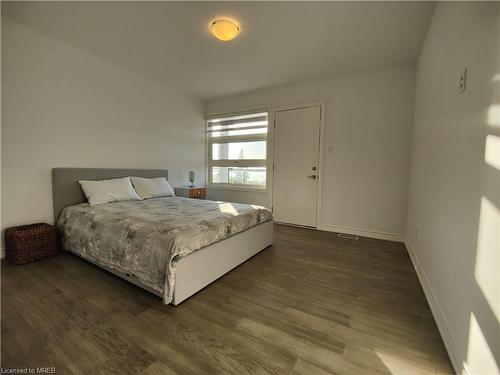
(263, 163)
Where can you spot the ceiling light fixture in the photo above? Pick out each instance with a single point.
(225, 30)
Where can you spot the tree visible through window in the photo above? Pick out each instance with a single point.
(237, 150)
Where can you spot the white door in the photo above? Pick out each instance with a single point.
(296, 149)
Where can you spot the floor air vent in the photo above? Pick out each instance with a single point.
(348, 236)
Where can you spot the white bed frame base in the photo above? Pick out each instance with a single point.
(201, 268)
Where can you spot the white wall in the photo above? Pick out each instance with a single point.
(63, 107)
(455, 181)
(367, 146)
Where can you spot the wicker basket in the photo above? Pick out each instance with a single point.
(28, 243)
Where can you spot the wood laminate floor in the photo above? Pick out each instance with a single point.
(310, 304)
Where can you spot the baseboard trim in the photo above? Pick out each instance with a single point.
(363, 233)
(458, 362)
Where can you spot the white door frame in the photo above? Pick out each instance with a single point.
(320, 174)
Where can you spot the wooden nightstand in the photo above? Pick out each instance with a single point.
(191, 192)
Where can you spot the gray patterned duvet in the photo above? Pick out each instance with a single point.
(146, 238)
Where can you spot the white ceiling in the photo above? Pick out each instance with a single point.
(280, 42)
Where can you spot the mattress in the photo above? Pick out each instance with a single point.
(146, 238)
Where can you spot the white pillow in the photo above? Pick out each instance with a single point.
(107, 191)
(152, 187)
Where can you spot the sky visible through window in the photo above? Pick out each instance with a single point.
(239, 150)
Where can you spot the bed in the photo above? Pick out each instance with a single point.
(172, 246)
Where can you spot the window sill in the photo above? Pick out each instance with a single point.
(237, 188)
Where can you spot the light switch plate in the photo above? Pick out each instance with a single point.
(462, 84)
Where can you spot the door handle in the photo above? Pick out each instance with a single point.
(313, 176)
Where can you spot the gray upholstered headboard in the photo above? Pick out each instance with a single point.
(66, 190)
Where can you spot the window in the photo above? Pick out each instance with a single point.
(237, 150)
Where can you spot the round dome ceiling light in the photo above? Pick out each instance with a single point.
(225, 30)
